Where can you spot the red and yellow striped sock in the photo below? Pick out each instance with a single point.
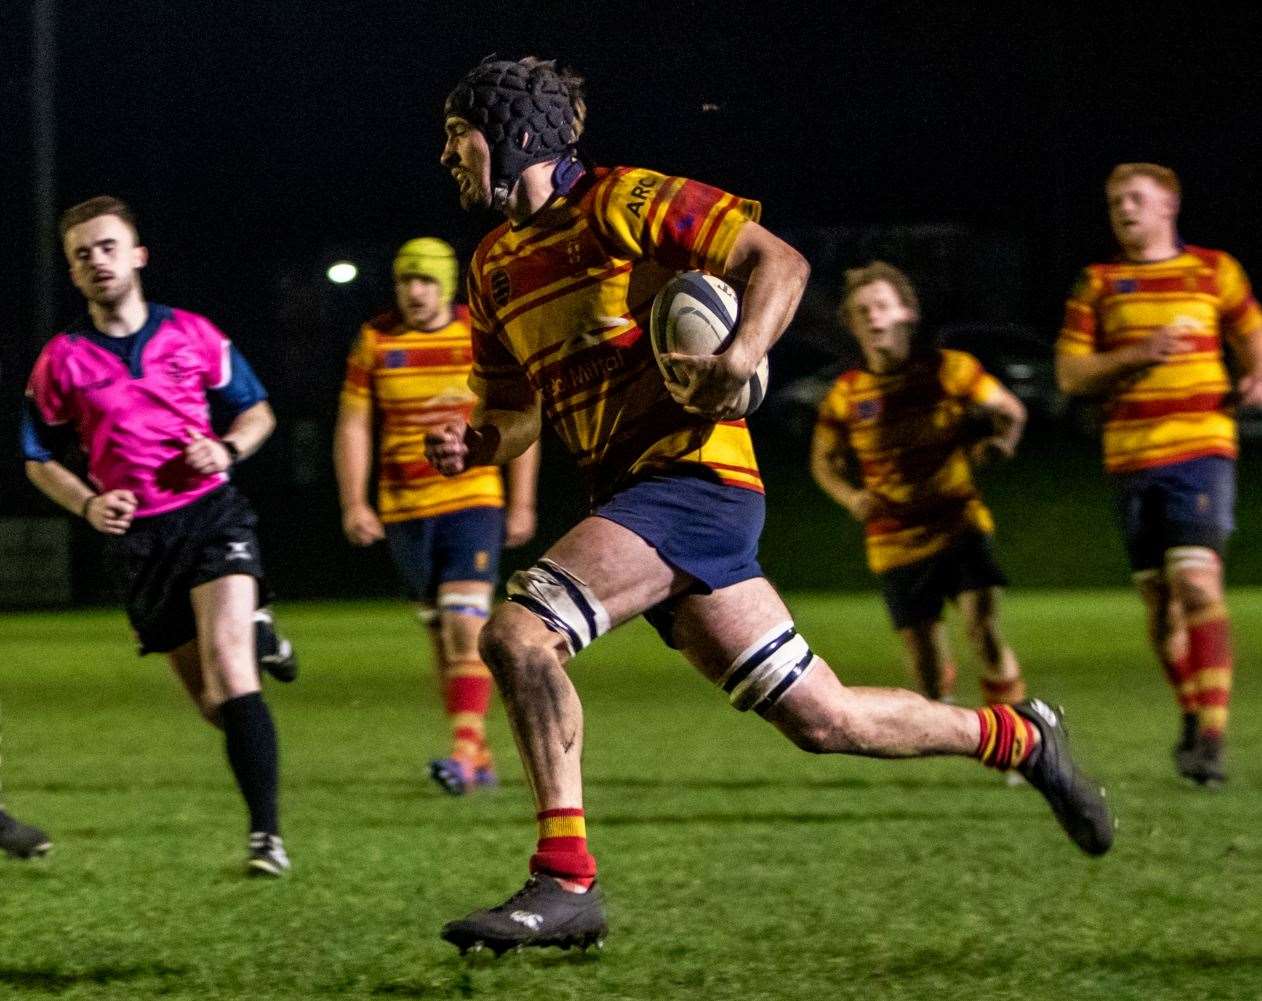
(1006, 739)
(1179, 673)
(1210, 664)
(562, 849)
(467, 688)
(1002, 691)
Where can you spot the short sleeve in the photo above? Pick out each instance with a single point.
(834, 410)
(964, 378)
(496, 377)
(46, 390)
(357, 386)
(676, 222)
(1240, 314)
(1078, 331)
(241, 389)
(39, 441)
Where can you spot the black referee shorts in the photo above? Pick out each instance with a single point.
(916, 593)
(168, 555)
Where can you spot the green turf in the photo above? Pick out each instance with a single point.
(736, 867)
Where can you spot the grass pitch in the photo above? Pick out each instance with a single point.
(736, 867)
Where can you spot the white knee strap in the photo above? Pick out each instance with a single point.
(566, 605)
(767, 669)
(1191, 558)
(478, 605)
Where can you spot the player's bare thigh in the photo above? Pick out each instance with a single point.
(224, 610)
(625, 572)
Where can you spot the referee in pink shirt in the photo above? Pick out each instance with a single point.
(134, 382)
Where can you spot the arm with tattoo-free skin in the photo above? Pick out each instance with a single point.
(493, 436)
(352, 465)
(1095, 374)
(827, 447)
(521, 479)
(774, 277)
(1007, 416)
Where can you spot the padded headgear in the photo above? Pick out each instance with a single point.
(431, 257)
(526, 113)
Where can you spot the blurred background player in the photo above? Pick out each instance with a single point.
(408, 371)
(559, 296)
(1144, 333)
(134, 381)
(908, 417)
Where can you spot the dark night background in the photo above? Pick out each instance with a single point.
(261, 141)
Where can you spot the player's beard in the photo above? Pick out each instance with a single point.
(473, 195)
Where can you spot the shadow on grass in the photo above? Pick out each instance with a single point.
(465, 970)
(47, 978)
(1153, 966)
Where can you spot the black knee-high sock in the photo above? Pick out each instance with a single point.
(250, 737)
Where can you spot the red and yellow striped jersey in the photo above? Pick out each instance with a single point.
(404, 375)
(1177, 409)
(560, 307)
(906, 429)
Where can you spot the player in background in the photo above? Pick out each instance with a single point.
(1145, 333)
(409, 371)
(907, 417)
(134, 381)
(559, 296)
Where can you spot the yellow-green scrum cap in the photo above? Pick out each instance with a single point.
(432, 258)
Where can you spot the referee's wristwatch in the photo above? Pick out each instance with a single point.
(234, 453)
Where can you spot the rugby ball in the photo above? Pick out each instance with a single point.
(695, 314)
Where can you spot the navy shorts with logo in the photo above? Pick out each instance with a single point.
(167, 555)
(1188, 503)
(463, 545)
(706, 529)
(917, 592)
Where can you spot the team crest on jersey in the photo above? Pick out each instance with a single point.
(396, 359)
(866, 410)
(482, 560)
(1121, 285)
(574, 253)
(501, 287)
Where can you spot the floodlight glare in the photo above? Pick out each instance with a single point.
(342, 272)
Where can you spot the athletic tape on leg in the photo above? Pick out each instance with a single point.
(566, 605)
(478, 605)
(767, 669)
(1191, 558)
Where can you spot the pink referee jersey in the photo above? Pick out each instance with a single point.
(135, 402)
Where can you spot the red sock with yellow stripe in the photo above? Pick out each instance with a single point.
(562, 849)
(1006, 738)
(1210, 664)
(467, 688)
(1179, 673)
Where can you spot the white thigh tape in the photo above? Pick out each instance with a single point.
(1191, 557)
(478, 604)
(767, 668)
